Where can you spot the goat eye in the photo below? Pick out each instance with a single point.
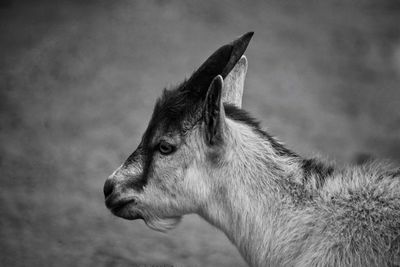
(165, 148)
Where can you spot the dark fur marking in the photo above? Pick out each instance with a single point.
(212, 113)
(319, 169)
(135, 157)
(174, 111)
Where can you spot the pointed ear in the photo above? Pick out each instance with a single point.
(232, 92)
(213, 112)
(221, 62)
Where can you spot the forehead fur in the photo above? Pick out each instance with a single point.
(174, 111)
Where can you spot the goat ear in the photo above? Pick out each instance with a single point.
(213, 112)
(221, 62)
(232, 92)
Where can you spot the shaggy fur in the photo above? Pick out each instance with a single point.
(278, 212)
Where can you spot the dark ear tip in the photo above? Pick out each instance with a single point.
(244, 39)
(220, 62)
(248, 35)
(216, 85)
(218, 81)
(238, 47)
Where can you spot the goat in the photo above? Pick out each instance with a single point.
(201, 153)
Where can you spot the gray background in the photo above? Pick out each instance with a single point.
(78, 80)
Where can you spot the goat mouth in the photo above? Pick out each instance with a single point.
(119, 209)
(116, 208)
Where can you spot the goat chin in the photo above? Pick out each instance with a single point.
(162, 225)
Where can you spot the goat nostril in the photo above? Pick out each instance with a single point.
(108, 188)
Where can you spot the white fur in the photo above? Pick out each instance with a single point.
(233, 84)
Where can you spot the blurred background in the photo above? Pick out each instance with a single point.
(78, 81)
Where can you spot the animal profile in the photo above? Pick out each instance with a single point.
(202, 153)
